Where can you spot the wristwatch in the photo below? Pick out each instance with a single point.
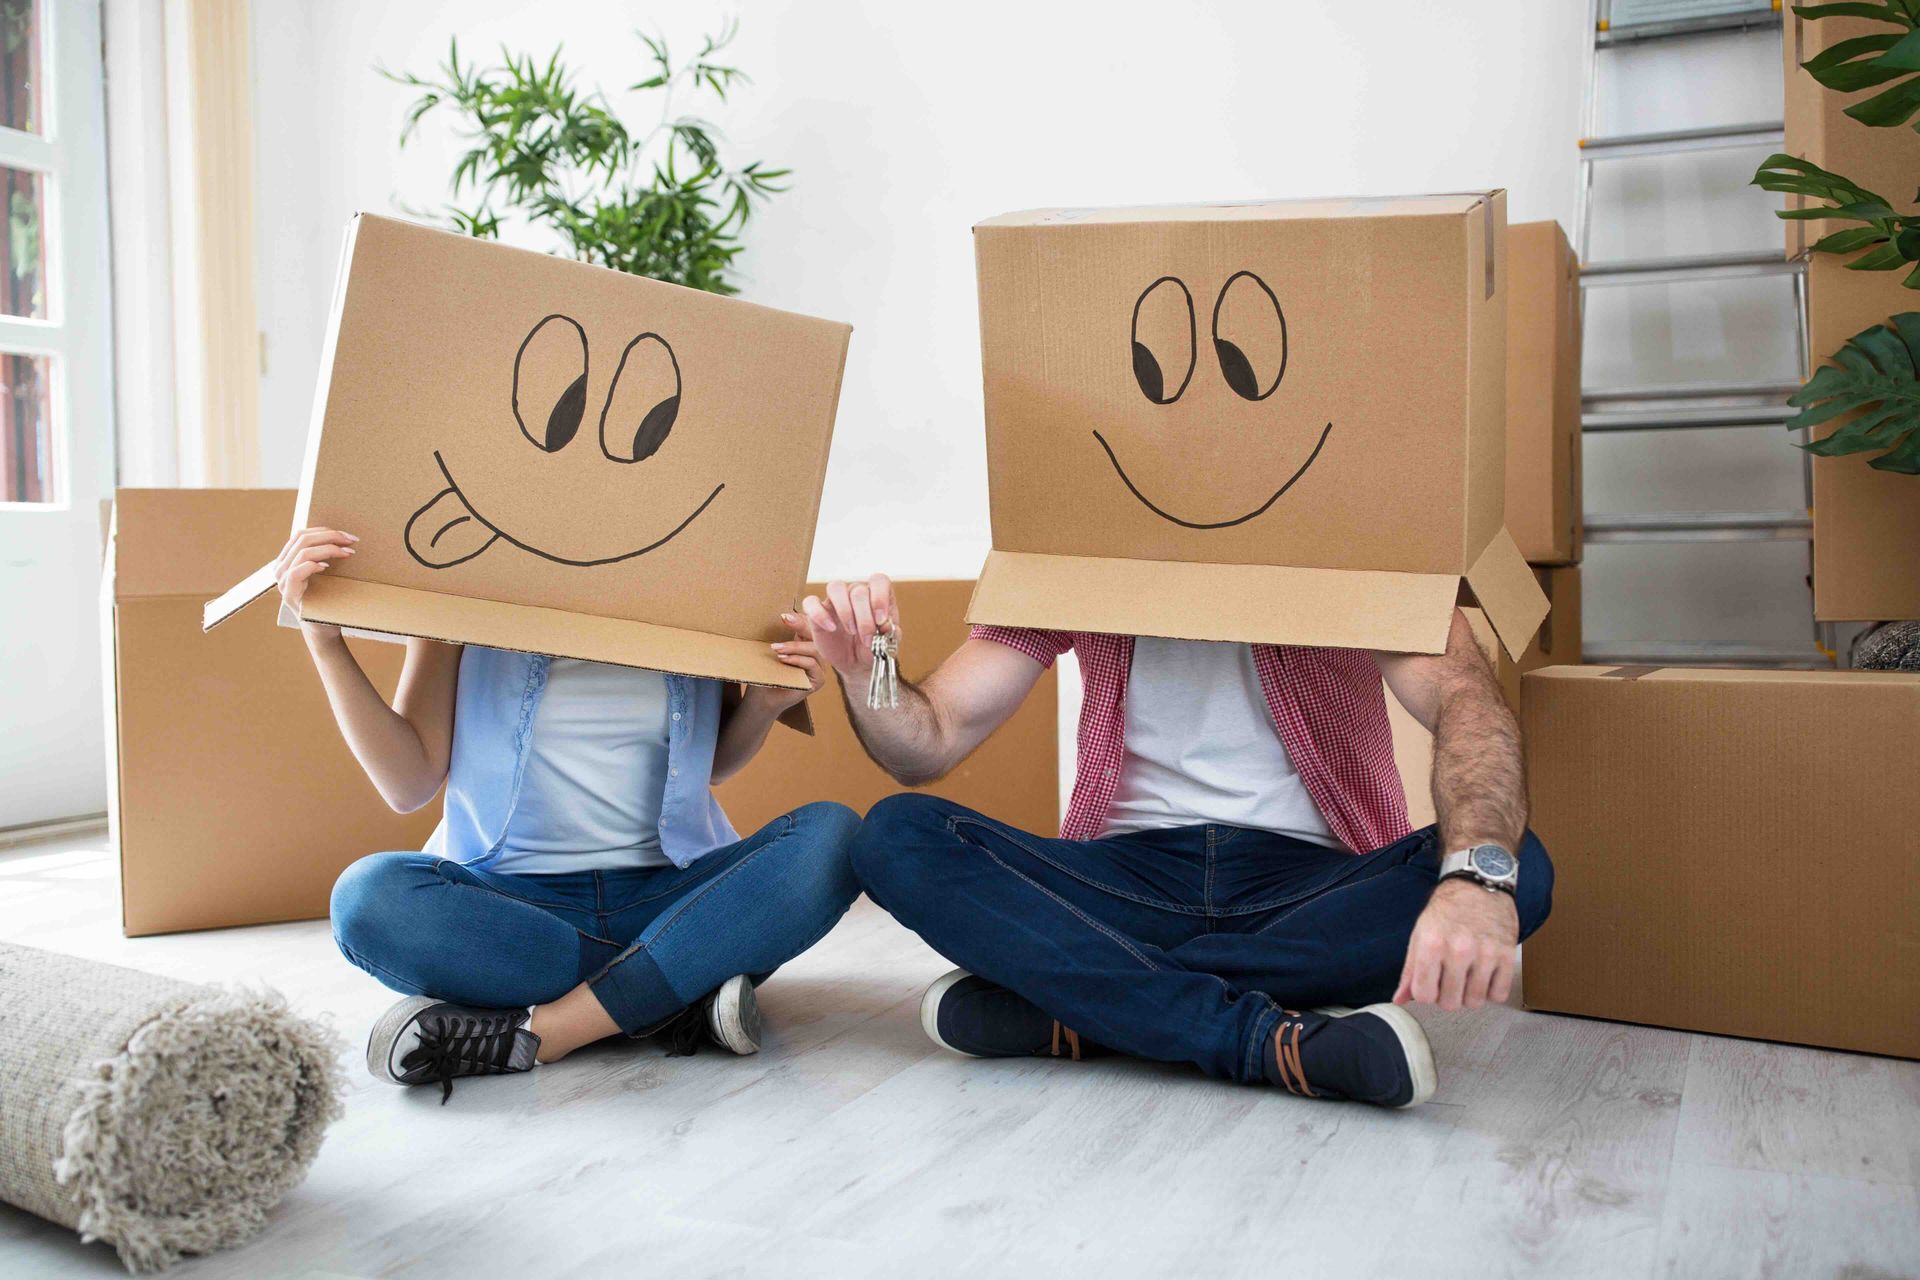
(1488, 865)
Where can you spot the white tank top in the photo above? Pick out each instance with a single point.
(595, 775)
(1201, 746)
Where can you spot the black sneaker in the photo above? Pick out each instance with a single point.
(1378, 1054)
(729, 1017)
(965, 1014)
(422, 1040)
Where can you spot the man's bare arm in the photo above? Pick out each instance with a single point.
(1479, 780)
(939, 722)
(1461, 953)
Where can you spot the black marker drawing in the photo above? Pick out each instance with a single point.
(1146, 369)
(448, 530)
(1236, 370)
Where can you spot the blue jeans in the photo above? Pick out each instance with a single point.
(651, 940)
(1179, 945)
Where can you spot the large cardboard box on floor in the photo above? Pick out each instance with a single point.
(234, 798)
(1015, 774)
(1277, 421)
(1557, 643)
(1733, 851)
(1543, 393)
(1884, 161)
(1866, 523)
(545, 455)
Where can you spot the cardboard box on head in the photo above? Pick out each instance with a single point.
(1279, 422)
(545, 455)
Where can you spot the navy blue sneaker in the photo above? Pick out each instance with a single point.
(1378, 1054)
(965, 1014)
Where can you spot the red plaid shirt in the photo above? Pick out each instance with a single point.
(1328, 706)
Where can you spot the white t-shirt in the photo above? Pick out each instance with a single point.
(596, 773)
(1201, 746)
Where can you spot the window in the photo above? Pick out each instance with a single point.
(30, 334)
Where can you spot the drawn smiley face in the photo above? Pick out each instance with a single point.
(1249, 330)
(549, 402)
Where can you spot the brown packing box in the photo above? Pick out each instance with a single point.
(1275, 421)
(1014, 776)
(1733, 851)
(1866, 523)
(234, 799)
(1884, 161)
(545, 455)
(1558, 642)
(1543, 393)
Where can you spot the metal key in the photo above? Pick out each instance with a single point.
(883, 680)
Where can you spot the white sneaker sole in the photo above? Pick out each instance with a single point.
(1413, 1039)
(733, 1018)
(930, 1010)
(385, 1036)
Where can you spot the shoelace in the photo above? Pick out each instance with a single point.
(1286, 1055)
(460, 1046)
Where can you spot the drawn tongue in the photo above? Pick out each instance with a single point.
(445, 532)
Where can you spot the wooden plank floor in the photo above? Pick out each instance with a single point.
(850, 1147)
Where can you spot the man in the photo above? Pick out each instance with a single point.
(1235, 884)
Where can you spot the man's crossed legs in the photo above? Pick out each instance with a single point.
(1201, 944)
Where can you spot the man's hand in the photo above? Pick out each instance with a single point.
(1462, 951)
(842, 626)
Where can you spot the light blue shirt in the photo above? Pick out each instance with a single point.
(498, 695)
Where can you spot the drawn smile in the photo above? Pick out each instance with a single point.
(1164, 514)
(449, 531)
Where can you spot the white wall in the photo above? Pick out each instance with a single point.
(905, 123)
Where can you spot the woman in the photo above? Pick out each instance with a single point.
(583, 882)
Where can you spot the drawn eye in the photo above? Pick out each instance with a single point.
(550, 382)
(643, 402)
(1163, 339)
(1249, 335)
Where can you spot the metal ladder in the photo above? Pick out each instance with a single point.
(1690, 406)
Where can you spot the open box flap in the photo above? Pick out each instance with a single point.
(1504, 585)
(382, 610)
(1263, 604)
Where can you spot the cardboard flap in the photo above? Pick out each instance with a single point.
(238, 596)
(1504, 585)
(797, 717)
(398, 611)
(1255, 604)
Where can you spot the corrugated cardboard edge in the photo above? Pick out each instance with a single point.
(1251, 604)
(387, 612)
(110, 686)
(1504, 585)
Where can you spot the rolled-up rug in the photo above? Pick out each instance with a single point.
(163, 1117)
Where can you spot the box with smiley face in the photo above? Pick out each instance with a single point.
(545, 455)
(1278, 422)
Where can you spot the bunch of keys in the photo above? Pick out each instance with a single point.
(883, 683)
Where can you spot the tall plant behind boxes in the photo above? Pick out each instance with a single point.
(1864, 398)
(662, 202)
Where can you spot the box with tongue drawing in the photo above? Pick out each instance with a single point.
(545, 455)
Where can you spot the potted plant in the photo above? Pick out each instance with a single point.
(660, 202)
(1875, 376)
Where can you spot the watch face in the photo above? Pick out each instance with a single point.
(1492, 860)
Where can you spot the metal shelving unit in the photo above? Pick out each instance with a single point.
(1692, 406)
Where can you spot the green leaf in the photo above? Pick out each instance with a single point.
(1877, 372)
(1849, 240)
(1857, 9)
(1886, 110)
(1849, 65)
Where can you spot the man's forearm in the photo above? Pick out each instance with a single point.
(1479, 779)
(905, 740)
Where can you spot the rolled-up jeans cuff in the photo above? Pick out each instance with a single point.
(1253, 1058)
(634, 991)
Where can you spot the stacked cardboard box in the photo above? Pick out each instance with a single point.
(233, 798)
(1733, 851)
(1864, 521)
(1014, 775)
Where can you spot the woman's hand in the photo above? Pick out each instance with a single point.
(308, 552)
(799, 652)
